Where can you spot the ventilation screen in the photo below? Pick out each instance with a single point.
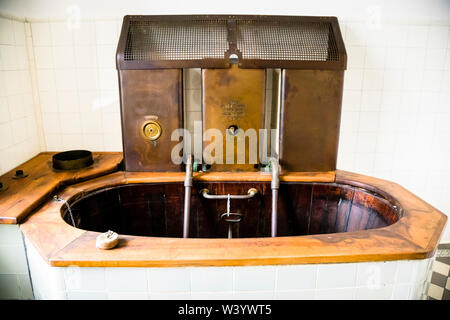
(175, 40)
(286, 40)
(217, 41)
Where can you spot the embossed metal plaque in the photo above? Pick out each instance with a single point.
(233, 103)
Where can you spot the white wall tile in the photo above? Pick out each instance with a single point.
(92, 122)
(254, 278)
(401, 292)
(6, 32)
(64, 58)
(10, 235)
(48, 101)
(67, 100)
(336, 275)
(382, 293)
(169, 280)
(71, 141)
(417, 36)
(87, 295)
(61, 34)
(6, 134)
(41, 34)
(93, 141)
(127, 296)
(85, 34)
(353, 79)
(13, 259)
(438, 36)
(46, 80)
(373, 79)
(335, 294)
(376, 274)
(10, 289)
(296, 277)
(295, 295)
(43, 57)
(84, 279)
(126, 279)
(170, 296)
(51, 123)
(212, 296)
(356, 56)
(8, 57)
(257, 295)
(85, 56)
(106, 56)
(19, 33)
(211, 279)
(106, 32)
(435, 58)
(70, 123)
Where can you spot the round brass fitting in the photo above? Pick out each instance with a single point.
(151, 130)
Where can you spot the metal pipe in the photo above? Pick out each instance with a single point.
(250, 194)
(187, 196)
(275, 185)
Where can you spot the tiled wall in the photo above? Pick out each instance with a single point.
(77, 84)
(380, 280)
(396, 107)
(14, 278)
(19, 139)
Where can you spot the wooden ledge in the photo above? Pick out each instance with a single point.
(148, 177)
(414, 236)
(24, 195)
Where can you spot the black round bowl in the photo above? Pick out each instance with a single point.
(73, 159)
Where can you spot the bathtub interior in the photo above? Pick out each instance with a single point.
(157, 210)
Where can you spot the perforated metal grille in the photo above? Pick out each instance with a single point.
(176, 40)
(287, 40)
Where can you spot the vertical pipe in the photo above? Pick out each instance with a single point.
(274, 212)
(187, 196)
(275, 185)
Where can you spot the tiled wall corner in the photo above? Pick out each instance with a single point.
(77, 83)
(18, 130)
(14, 277)
(395, 107)
(48, 282)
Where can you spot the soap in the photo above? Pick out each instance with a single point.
(107, 240)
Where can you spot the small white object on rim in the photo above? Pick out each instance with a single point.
(107, 240)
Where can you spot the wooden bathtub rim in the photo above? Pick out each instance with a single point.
(63, 245)
(24, 196)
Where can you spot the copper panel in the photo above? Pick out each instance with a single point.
(150, 95)
(310, 119)
(233, 97)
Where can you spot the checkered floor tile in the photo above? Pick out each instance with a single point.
(439, 287)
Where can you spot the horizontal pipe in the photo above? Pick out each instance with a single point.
(251, 193)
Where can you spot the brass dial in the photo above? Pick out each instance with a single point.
(151, 130)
